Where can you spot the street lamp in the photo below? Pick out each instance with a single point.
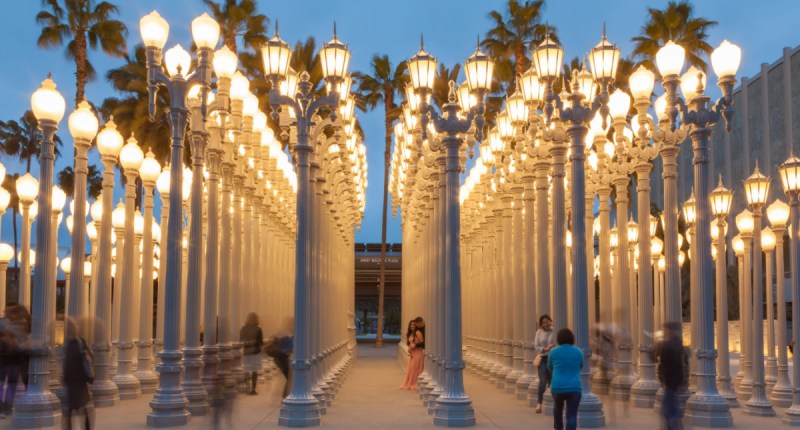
(756, 190)
(27, 188)
(778, 215)
(39, 406)
(790, 178)
(768, 243)
(109, 144)
(720, 200)
(6, 254)
(169, 404)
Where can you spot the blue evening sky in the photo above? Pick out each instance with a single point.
(369, 27)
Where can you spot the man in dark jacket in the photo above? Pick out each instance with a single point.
(671, 373)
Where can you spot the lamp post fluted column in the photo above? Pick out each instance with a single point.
(211, 343)
(790, 173)
(781, 395)
(144, 371)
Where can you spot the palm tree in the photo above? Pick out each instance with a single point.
(382, 86)
(305, 59)
(513, 33)
(677, 23)
(441, 83)
(94, 180)
(82, 24)
(21, 139)
(131, 111)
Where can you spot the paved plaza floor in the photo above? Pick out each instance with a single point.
(370, 399)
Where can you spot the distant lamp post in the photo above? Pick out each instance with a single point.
(6, 254)
(720, 200)
(778, 214)
(790, 178)
(768, 243)
(756, 190)
(27, 189)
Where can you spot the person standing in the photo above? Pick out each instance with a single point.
(416, 363)
(565, 362)
(253, 340)
(542, 344)
(77, 375)
(671, 359)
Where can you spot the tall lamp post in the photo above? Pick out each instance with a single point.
(39, 406)
(756, 190)
(778, 215)
(790, 177)
(720, 200)
(169, 403)
(27, 188)
(300, 408)
(6, 254)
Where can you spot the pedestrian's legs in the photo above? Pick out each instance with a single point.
(254, 381)
(544, 379)
(66, 418)
(558, 411)
(573, 400)
(671, 410)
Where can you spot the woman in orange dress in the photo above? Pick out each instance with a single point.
(416, 363)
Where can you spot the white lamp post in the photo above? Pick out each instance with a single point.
(6, 254)
(39, 406)
(27, 189)
(778, 215)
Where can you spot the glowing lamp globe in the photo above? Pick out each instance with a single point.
(276, 54)
(532, 89)
(756, 188)
(149, 169)
(738, 245)
(479, 69)
(27, 188)
(670, 58)
(662, 264)
(604, 59)
(162, 183)
(744, 222)
(778, 214)
(725, 59)
(109, 140)
(91, 231)
(790, 174)
(177, 61)
(131, 155)
(240, 87)
(138, 224)
(653, 225)
(619, 103)
(66, 265)
(59, 199)
(335, 59)
(225, 62)
(641, 83)
(466, 100)
(118, 217)
(633, 231)
(517, 108)
(547, 58)
(83, 123)
(692, 83)
(87, 269)
(5, 199)
(656, 246)
(154, 30)
(259, 120)
(422, 69)
(97, 210)
(690, 210)
(720, 199)
(6, 253)
(205, 31)
(47, 103)
(768, 240)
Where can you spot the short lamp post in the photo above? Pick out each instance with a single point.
(169, 403)
(790, 177)
(778, 215)
(27, 189)
(756, 190)
(720, 200)
(39, 406)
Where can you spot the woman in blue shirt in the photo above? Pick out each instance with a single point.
(564, 363)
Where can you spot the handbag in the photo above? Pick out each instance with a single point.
(537, 361)
(86, 359)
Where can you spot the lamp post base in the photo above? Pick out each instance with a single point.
(643, 393)
(128, 386)
(169, 404)
(759, 407)
(792, 416)
(523, 385)
(451, 412)
(104, 393)
(781, 396)
(708, 411)
(299, 413)
(590, 412)
(36, 410)
(192, 383)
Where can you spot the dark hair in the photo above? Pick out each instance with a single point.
(673, 326)
(409, 332)
(418, 320)
(544, 317)
(565, 337)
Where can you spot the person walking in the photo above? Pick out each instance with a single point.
(565, 362)
(671, 361)
(253, 340)
(415, 341)
(77, 375)
(542, 344)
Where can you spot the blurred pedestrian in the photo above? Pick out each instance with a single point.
(253, 340)
(280, 347)
(416, 362)
(77, 375)
(671, 373)
(565, 362)
(543, 342)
